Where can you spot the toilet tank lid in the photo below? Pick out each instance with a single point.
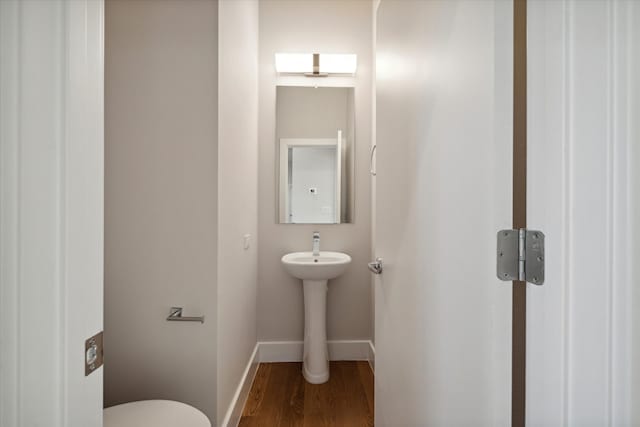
(157, 413)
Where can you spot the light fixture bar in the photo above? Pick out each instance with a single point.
(316, 65)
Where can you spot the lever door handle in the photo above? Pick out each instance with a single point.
(376, 266)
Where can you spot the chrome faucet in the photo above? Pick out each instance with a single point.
(316, 243)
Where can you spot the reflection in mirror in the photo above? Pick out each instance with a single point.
(315, 133)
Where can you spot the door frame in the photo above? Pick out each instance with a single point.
(284, 198)
(519, 297)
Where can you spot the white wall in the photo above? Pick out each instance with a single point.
(51, 211)
(583, 342)
(161, 200)
(181, 195)
(237, 195)
(313, 26)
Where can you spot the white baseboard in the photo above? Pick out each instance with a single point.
(291, 351)
(234, 413)
(372, 356)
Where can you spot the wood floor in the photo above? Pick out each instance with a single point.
(281, 397)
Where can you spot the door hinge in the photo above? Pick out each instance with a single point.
(521, 255)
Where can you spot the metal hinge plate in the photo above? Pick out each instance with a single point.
(94, 353)
(521, 256)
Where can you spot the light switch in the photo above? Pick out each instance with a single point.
(247, 241)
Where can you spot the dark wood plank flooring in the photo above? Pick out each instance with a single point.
(281, 397)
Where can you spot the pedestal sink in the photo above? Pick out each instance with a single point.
(315, 271)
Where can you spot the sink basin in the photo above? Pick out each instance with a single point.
(315, 272)
(305, 266)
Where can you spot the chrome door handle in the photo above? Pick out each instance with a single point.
(376, 266)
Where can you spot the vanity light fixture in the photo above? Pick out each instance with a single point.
(316, 64)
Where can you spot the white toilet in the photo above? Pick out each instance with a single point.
(156, 413)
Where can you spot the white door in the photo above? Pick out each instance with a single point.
(583, 345)
(444, 169)
(51, 210)
(443, 178)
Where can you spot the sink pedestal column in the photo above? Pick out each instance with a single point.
(315, 365)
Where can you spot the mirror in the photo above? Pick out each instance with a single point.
(315, 136)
